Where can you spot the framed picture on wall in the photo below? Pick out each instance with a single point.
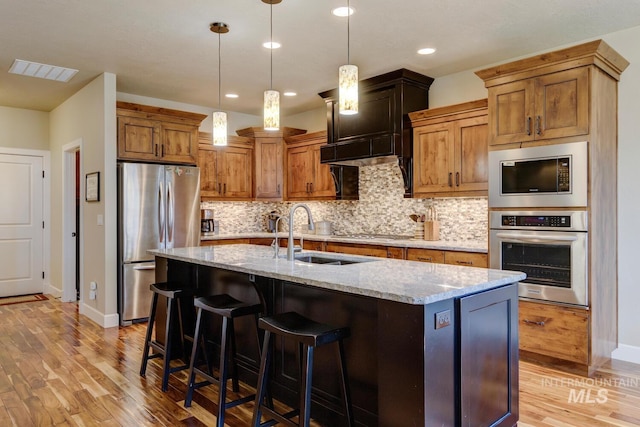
(92, 187)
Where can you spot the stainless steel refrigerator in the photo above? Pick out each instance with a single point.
(158, 207)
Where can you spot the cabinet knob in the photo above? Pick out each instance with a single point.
(532, 322)
(538, 125)
(450, 179)
(528, 125)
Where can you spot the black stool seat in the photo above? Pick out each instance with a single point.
(173, 291)
(226, 306)
(302, 329)
(308, 334)
(169, 289)
(229, 309)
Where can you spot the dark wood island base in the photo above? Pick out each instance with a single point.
(453, 362)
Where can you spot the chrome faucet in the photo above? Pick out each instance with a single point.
(290, 248)
(275, 244)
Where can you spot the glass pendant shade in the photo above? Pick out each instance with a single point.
(348, 89)
(271, 110)
(219, 128)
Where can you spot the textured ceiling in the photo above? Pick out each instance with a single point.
(164, 49)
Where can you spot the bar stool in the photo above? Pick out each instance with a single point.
(308, 334)
(173, 291)
(229, 309)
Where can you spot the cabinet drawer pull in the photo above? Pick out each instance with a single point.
(528, 125)
(278, 189)
(538, 127)
(425, 258)
(224, 188)
(156, 150)
(450, 179)
(531, 322)
(465, 262)
(311, 186)
(219, 188)
(457, 179)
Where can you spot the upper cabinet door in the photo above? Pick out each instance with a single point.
(208, 164)
(299, 172)
(269, 159)
(562, 104)
(138, 139)
(322, 184)
(234, 166)
(511, 108)
(433, 158)
(179, 143)
(471, 154)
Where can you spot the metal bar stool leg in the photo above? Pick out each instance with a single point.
(167, 344)
(223, 375)
(147, 347)
(305, 387)
(263, 379)
(194, 354)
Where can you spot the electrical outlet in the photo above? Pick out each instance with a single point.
(443, 319)
(93, 286)
(92, 294)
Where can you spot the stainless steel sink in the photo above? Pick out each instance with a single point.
(314, 259)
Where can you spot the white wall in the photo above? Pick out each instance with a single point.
(89, 115)
(27, 129)
(311, 121)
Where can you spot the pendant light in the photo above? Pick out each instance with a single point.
(219, 117)
(348, 79)
(271, 97)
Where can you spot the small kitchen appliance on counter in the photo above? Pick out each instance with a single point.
(207, 227)
(323, 228)
(272, 221)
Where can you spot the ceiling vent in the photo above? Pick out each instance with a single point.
(42, 71)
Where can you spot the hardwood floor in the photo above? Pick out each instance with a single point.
(59, 368)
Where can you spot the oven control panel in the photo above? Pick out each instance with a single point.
(536, 221)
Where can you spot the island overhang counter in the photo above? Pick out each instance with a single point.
(431, 344)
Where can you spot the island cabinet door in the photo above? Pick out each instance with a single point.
(488, 345)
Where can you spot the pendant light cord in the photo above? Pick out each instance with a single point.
(219, 75)
(348, 32)
(271, 41)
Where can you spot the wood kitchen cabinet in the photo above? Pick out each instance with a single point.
(569, 95)
(225, 171)
(554, 330)
(450, 150)
(307, 178)
(153, 134)
(469, 259)
(554, 105)
(269, 161)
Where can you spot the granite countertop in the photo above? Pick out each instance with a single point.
(466, 246)
(403, 281)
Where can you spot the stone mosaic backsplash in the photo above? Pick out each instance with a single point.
(382, 209)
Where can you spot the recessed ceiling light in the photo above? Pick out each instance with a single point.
(42, 71)
(231, 95)
(342, 11)
(289, 94)
(271, 45)
(426, 51)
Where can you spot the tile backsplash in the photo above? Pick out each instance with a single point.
(382, 209)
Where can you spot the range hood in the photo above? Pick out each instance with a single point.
(381, 131)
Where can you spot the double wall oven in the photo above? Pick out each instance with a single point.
(528, 230)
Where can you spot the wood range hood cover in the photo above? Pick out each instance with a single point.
(381, 131)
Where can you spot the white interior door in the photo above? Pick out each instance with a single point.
(21, 231)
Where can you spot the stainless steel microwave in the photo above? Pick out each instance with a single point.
(539, 177)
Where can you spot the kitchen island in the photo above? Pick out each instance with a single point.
(431, 344)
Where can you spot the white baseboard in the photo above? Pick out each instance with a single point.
(628, 353)
(104, 320)
(50, 290)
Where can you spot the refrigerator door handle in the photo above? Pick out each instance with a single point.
(145, 267)
(161, 213)
(170, 212)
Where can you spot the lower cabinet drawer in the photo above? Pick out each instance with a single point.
(471, 259)
(425, 255)
(357, 249)
(313, 245)
(556, 331)
(223, 242)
